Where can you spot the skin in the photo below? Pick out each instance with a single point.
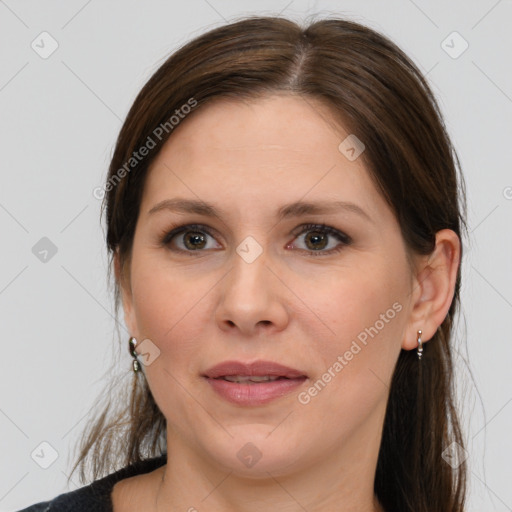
(290, 306)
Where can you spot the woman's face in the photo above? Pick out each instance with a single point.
(249, 284)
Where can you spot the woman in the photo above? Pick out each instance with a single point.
(284, 216)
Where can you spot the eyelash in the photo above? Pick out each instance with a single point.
(345, 240)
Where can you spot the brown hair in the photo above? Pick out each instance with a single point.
(377, 93)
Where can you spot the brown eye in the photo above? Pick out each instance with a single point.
(319, 237)
(316, 240)
(192, 238)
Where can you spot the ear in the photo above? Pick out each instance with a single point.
(123, 281)
(433, 289)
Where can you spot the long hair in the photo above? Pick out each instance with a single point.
(375, 91)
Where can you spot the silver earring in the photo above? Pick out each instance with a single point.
(420, 346)
(132, 343)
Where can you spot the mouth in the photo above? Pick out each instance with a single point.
(252, 384)
(255, 370)
(248, 379)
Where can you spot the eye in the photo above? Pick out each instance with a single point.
(316, 238)
(194, 237)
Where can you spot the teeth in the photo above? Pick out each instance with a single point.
(246, 378)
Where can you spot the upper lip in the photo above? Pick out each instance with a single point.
(256, 368)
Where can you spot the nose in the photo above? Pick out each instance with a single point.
(252, 298)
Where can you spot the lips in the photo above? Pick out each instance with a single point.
(253, 384)
(255, 369)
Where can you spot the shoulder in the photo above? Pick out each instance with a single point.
(96, 496)
(38, 507)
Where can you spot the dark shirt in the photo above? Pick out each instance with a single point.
(96, 497)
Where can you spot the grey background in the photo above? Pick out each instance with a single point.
(59, 120)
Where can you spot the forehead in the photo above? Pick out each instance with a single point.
(274, 123)
(276, 149)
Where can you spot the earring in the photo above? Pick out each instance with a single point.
(420, 346)
(132, 343)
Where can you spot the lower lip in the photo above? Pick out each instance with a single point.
(254, 394)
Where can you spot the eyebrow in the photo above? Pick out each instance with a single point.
(295, 209)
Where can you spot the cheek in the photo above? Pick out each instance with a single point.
(351, 302)
(171, 309)
(365, 316)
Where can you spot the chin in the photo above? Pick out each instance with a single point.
(256, 455)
